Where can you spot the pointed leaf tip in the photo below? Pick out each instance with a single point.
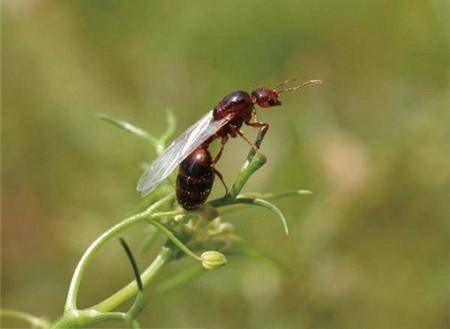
(132, 260)
(268, 205)
(128, 127)
(305, 192)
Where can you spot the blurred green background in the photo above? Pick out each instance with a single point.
(370, 249)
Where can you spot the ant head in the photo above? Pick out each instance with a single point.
(266, 97)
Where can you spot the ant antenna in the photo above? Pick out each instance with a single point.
(282, 83)
(296, 88)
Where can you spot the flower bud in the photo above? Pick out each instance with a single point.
(213, 259)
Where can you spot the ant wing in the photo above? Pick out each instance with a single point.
(180, 148)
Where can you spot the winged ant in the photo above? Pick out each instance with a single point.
(190, 150)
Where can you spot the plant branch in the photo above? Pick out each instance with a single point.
(100, 312)
(72, 295)
(249, 168)
(232, 207)
(174, 239)
(86, 318)
(34, 321)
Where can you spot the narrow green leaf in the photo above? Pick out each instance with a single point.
(140, 301)
(136, 272)
(246, 172)
(268, 205)
(128, 127)
(230, 206)
(135, 324)
(274, 196)
(34, 321)
(173, 238)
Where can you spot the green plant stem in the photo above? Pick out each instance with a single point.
(232, 207)
(275, 196)
(174, 239)
(131, 289)
(101, 312)
(86, 318)
(137, 307)
(71, 303)
(72, 295)
(34, 321)
(73, 317)
(252, 163)
(249, 168)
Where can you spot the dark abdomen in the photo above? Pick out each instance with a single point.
(195, 179)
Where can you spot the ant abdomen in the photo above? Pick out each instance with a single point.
(195, 179)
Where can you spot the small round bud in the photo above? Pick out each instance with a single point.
(213, 259)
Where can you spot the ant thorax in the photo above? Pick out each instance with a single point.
(237, 104)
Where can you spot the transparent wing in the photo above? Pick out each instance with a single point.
(180, 148)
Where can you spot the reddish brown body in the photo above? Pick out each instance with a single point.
(195, 179)
(196, 174)
(197, 171)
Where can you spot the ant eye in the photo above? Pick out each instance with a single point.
(270, 101)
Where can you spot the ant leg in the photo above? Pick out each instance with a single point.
(223, 141)
(240, 133)
(254, 114)
(264, 127)
(219, 174)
